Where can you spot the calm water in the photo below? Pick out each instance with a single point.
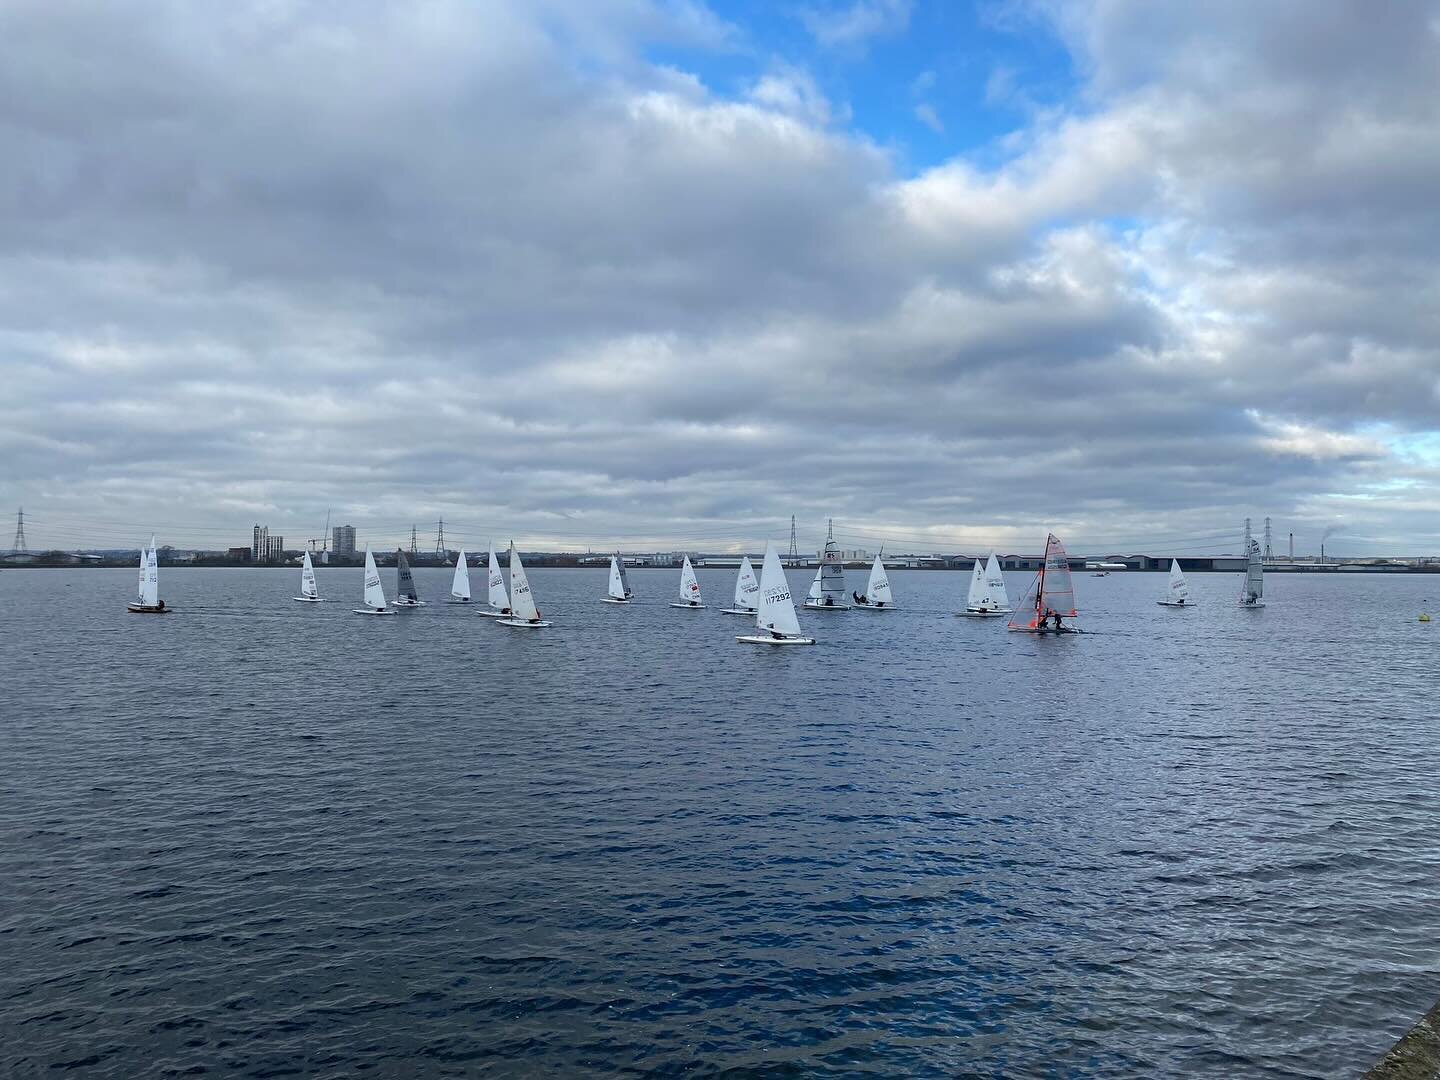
(263, 838)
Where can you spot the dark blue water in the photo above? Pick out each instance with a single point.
(263, 838)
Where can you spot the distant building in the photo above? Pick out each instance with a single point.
(238, 554)
(342, 540)
(264, 547)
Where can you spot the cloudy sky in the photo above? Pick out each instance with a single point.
(665, 272)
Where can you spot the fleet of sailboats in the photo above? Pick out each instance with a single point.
(1051, 598)
(1177, 593)
(689, 588)
(460, 583)
(877, 596)
(147, 596)
(775, 621)
(747, 591)
(987, 598)
(619, 591)
(309, 591)
(374, 592)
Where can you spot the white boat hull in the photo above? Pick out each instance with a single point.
(689, 607)
(521, 624)
(738, 611)
(309, 599)
(408, 603)
(826, 607)
(1253, 607)
(612, 600)
(491, 613)
(147, 609)
(373, 611)
(995, 614)
(766, 639)
(453, 600)
(874, 607)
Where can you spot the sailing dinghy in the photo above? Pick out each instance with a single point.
(147, 600)
(1252, 594)
(689, 587)
(309, 592)
(827, 591)
(775, 621)
(499, 599)
(460, 583)
(987, 597)
(877, 590)
(619, 592)
(1051, 597)
(405, 594)
(747, 590)
(524, 614)
(374, 593)
(1178, 593)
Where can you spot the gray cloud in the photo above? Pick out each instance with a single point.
(486, 261)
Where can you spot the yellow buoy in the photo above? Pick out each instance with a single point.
(1424, 617)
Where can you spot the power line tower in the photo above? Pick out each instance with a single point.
(412, 540)
(1267, 539)
(794, 555)
(440, 537)
(19, 545)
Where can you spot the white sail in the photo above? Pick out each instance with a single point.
(993, 596)
(521, 602)
(150, 587)
(617, 582)
(689, 587)
(460, 583)
(747, 587)
(499, 599)
(308, 588)
(1179, 587)
(877, 590)
(1254, 575)
(977, 587)
(776, 610)
(815, 594)
(374, 593)
(140, 581)
(832, 580)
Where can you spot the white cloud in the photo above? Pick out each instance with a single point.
(858, 22)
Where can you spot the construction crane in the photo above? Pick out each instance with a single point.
(323, 541)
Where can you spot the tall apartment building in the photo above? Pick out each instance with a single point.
(264, 547)
(342, 540)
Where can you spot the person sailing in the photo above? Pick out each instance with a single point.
(858, 598)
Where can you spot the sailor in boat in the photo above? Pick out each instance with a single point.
(858, 598)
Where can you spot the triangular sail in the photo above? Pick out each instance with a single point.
(776, 610)
(747, 586)
(404, 580)
(499, 599)
(995, 593)
(522, 604)
(815, 593)
(140, 581)
(1179, 587)
(877, 590)
(374, 593)
(1051, 593)
(1254, 574)
(689, 587)
(832, 577)
(308, 588)
(976, 599)
(624, 581)
(460, 583)
(617, 589)
(150, 586)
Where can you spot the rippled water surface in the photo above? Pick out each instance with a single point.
(264, 838)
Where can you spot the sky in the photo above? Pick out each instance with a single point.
(663, 273)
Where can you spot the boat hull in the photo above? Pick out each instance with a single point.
(309, 599)
(612, 600)
(1172, 603)
(521, 624)
(491, 613)
(874, 607)
(1253, 607)
(373, 611)
(766, 639)
(689, 607)
(453, 600)
(408, 603)
(1042, 630)
(738, 611)
(146, 609)
(826, 607)
(996, 614)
